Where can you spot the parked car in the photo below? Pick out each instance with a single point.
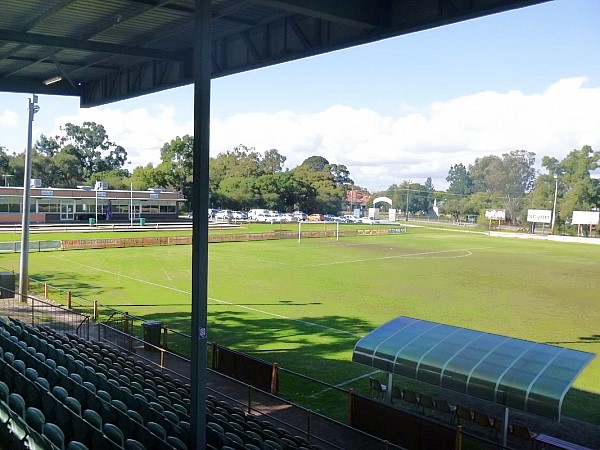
(351, 219)
(300, 216)
(316, 217)
(368, 220)
(240, 215)
(329, 218)
(264, 217)
(253, 213)
(224, 214)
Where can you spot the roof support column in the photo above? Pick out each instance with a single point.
(202, 74)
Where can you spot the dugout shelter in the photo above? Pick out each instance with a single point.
(515, 373)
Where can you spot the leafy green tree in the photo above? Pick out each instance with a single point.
(331, 193)
(581, 191)
(272, 162)
(175, 170)
(91, 145)
(460, 180)
(46, 146)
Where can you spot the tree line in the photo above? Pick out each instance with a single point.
(244, 178)
(509, 182)
(241, 178)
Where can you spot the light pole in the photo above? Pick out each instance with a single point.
(554, 207)
(24, 263)
(407, 191)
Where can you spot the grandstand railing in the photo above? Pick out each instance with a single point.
(36, 311)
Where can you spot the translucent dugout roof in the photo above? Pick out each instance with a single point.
(520, 374)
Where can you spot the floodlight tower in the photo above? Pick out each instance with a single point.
(24, 263)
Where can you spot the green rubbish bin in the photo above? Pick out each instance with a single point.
(152, 330)
(92, 221)
(142, 221)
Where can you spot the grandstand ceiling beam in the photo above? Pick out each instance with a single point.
(354, 13)
(91, 46)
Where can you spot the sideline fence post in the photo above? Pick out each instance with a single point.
(350, 405)
(458, 440)
(95, 313)
(213, 359)
(249, 399)
(275, 379)
(69, 300)
(46, 290)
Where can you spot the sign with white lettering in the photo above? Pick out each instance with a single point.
(495, 214)
(539, 215)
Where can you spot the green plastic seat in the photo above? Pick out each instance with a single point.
(17, 404)
(114, 433)
(4, 392)
(76, 445)
(176, 443)
(132, 444)
(54, 434)
(156, 429)
(93, 418)
(35, 419)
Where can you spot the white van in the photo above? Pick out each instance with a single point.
(254, 213)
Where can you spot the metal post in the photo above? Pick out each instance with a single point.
(554, 207)
(131, 204)
(505, 427)
(202, 66)
(24, 264)
(388, 391)
(407, 191)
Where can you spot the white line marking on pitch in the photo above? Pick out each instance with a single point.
(280, 316)
(339, 385)
(409, 255)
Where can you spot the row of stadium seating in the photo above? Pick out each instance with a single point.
(60, 391)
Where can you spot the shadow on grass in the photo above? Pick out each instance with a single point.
(66, 282)
(319, 348)
(593, 339)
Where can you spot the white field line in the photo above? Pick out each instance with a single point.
(409, 255)
(353, 261)
(344, 383)
(260, 311)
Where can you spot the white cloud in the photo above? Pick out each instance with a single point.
(8, 119)
(382, 150)
(141, 132)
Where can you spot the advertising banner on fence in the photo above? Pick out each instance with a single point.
(539, 215)
(495, 214)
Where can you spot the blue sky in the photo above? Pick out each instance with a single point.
(404, 108)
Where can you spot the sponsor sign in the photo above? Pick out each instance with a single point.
(47, 192)
(539, 215)
(100, 194)
(495, 214)
(585, 217)
(152, 195)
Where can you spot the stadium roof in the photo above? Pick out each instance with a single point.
(520, 374)
(108, 50)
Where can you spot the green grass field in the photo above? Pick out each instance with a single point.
(304, 305)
